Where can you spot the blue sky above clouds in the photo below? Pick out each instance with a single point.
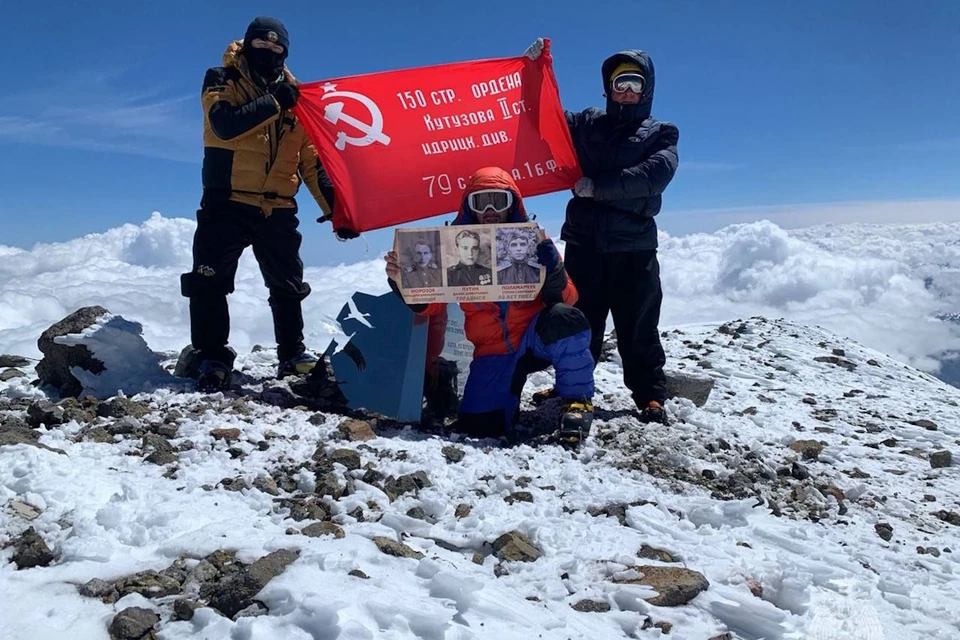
(779, 106)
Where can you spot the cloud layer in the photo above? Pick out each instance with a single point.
(882, 285)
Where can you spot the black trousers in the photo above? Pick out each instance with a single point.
(628, 286)
(224, 231)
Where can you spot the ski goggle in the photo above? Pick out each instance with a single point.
(499, 200)
(628, 82)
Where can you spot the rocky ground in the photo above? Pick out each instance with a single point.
(811, 462)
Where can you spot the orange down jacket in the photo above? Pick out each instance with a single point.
(497, 327)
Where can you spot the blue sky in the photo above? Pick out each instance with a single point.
(778, 104)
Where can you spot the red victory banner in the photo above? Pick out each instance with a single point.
(399, 145)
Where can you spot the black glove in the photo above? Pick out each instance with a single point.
(346, 234)
(286, 94)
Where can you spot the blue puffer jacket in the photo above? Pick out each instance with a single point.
(631, 158)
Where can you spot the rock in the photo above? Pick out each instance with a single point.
(228, 435)
(723, 636)
(10, 433)
(417, 512)
(873, 363)
(233, 484)
(940, 459)
(120, 407)
(519, 496)
(328, 484)
(809, 400)
(44, 413)
(183, 609)
(167, 430)
(310, 509)
(839, 352)
(929, 425)
(236, 592)
(453, 454)
(97, 588)
(675, 585)
(462, 511)
(13, 361)
(650, 553)
(515, 547)
(478, 557)
(254, 610)
(54, 368)
(24, 510)
(591, 606)
(133, 623)
(188, 363)
(950, 517)
(29, 550)
(798, 471)
(161, 451)
(347, 457)
(684, 385)
(318, 529)
(840, 362)
(809, 449)
(356, 430)
(393, 548)
(618, 511)
(884, 530)
(358, 574)
(709, 474)
(409, 483)
(124, 426)
(149, 584)
(10, 374)
(267, 485)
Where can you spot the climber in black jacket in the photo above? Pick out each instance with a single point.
(628, 158)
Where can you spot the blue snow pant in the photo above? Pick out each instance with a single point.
(558, 336)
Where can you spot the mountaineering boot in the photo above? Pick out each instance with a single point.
(575, 421)
(440, 399)
(653, 412)
(299, 365)
(540, 397)
(214, 376)
(320, 384)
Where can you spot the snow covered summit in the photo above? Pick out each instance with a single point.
(814, 495)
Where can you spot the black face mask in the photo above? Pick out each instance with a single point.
(265, 63)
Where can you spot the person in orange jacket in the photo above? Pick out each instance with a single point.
(513, 339)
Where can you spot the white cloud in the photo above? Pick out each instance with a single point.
(805, 215)
(867, 282)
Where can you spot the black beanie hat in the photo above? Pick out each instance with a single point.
(269, 29)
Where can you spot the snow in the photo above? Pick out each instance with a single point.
(818, 570)
(130, 365)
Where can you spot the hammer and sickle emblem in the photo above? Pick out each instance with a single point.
(373, 132)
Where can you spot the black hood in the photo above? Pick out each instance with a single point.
(266, 63)
(641, 110)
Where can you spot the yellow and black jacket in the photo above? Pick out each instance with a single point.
(253, 152)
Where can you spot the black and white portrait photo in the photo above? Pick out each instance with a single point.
(469, 254)
(420, 262)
